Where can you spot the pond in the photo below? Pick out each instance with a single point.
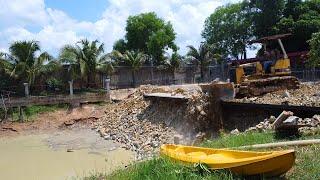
(61, 155)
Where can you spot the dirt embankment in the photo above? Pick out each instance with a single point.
(48, 122)
(307, 95)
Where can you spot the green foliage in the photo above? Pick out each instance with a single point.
(232, 25)
(86, 58)
(171, 62)
(228, 29)
(201, 56)
(266, 14)
(302, 19)
(120, 46)
(314, 54)
(149, 34)
(54, 83)
(23, 63)
(133, 59)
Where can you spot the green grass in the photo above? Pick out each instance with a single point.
(307, 162)
(164, 169)
(31, 112)
(35, 110)
(228, 141)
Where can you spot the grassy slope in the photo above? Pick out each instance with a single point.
(31, 112)
(307, 162)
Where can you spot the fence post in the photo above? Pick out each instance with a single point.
(107, 84)
(71, 87)
(26, 89)
(21, 117)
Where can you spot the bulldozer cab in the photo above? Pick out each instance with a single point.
(271, 63)
(274, 62)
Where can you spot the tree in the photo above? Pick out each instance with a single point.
(302, 19)
(5, 66)
(120, 45)
(86, 56)
(229, 28)
(202, 56)
(23, 63)
(133, 59)
(314, 59)
(149, 34)
(106, 64)
(266, 14)
(171, 62)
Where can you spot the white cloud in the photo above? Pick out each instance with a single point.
(22, 13)
(56, 28)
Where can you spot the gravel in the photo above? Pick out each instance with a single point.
(307, 95)
(143, 126)
(307, 126)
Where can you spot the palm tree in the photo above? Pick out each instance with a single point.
(106, 64)
(4, 64)
(23, 63)
(203, 55)
(86, 56)
(172, 62)
(133, 59)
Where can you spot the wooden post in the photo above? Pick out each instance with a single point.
(26, 89)
(21, 118)
(71, 87)
(107, 84)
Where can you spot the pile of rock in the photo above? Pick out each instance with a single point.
(307, 95)
(142, 126)
(306, 126)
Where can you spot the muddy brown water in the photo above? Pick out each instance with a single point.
(46, 156)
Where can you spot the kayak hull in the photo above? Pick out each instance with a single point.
(273, 163)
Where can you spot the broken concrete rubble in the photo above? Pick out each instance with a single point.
(282, 117)
(142, 126)
(306, 126)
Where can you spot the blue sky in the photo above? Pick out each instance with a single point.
(55, 23)
(80, 9)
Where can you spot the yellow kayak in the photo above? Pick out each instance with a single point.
(273, 163)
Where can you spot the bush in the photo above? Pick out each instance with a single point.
(54, 84)
(314, 42)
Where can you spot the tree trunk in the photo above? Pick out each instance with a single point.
(244, 52)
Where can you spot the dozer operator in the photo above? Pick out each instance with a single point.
(271, 73)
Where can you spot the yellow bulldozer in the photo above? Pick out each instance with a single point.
(272, 72)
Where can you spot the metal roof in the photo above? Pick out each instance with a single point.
(269, 38)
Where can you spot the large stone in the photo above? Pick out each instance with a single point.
(235, 132)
